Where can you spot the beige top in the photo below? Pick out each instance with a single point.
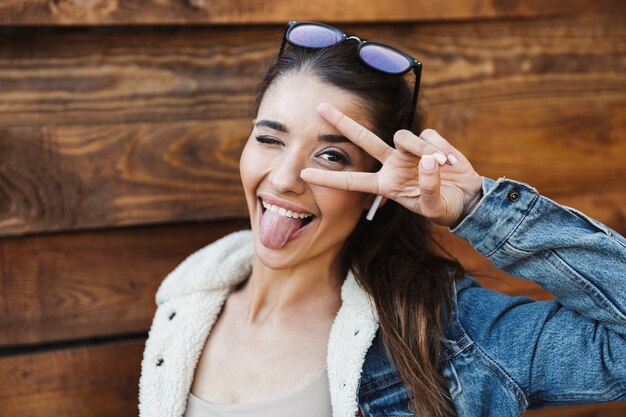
(313, 400)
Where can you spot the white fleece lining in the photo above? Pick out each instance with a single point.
(196, 290)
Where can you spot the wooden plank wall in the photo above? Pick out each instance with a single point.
(121, 125)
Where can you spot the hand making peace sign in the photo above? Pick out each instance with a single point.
(443, 194)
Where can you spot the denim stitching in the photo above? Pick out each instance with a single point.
(380, 383)
(618, 389)
(590, 289)
(531, 205)
(515, 388)
(457, 348)
(455, 376)
(517, 391)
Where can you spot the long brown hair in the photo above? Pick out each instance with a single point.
(394, 257)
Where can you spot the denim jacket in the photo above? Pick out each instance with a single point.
(501, 355)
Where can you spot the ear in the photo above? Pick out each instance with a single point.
(370, 199)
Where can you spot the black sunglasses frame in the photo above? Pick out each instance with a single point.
(415, 65)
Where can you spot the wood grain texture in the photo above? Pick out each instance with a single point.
(101, 12)
(50, 77)
(89, 381)
(76, 177)
(104, 129)
(121, 75)
(93, 284)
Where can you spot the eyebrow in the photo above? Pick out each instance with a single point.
(273, 124)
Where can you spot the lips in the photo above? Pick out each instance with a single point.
(278, 226)
(287, 205)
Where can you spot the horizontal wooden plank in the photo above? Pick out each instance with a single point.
(119, 75)
(50, 77)
(77, 177)
(80, 177)
(100, 380)
(101, 12)
(91, 284)
(575, 155)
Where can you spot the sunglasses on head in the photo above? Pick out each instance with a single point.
(377, 56)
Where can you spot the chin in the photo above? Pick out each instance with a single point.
(271, 258)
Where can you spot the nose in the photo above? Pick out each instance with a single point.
(285, 173)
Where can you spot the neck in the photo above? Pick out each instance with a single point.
(308, 288)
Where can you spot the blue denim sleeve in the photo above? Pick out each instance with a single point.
(565, 351)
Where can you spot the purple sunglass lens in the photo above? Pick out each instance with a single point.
(384, 59)
(313, 36)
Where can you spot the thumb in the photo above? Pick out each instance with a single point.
(429, 183)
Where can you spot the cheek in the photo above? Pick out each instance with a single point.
(339, 206)
(249, 167)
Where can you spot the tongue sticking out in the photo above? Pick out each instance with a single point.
(276, 230)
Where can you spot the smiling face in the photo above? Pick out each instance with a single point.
(293, 222)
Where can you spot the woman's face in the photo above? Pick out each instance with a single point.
(309, 223)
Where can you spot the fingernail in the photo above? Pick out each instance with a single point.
(452, 159)
(440, 158)
(428, 163)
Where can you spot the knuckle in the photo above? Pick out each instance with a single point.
(422, 147)
(349, 181)
(324, 178)
(340, 120)
(361, 135)
(428, 189)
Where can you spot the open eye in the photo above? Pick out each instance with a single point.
(335, 157)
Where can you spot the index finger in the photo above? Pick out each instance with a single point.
(358, 134)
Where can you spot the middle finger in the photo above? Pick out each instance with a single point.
(358, 134)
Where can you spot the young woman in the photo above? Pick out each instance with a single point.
(322, 310)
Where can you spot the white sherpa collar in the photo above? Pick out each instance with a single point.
(220, 266)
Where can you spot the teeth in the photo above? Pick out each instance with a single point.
(284, 212)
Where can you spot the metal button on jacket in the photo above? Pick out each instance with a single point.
(513, 195)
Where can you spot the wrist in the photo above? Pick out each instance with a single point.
(473, 203)
(469, 207)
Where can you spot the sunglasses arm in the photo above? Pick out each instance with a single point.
(418, 77)
(284, 42)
